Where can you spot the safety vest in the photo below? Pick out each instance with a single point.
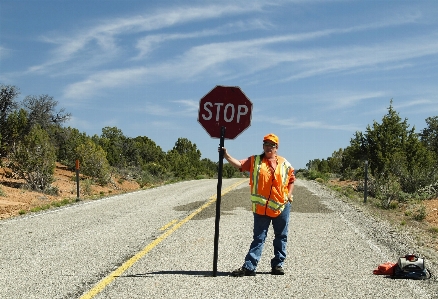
(269, 191)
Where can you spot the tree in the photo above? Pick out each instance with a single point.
(385, 141)
(420, 167)
(228, 170)
(396, 155)
(146, 151)
(185, 159)
(113, 143)
(429, 135)
(34, 159)
(209, 167)
(335, 161)
(8, 94)
(313, 164)
(93, 161)
(67, 140)
(41, 111)
(8, 104)
(16, 124)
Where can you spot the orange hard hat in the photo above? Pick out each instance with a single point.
(271, 137)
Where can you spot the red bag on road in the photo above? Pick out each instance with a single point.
(385, 269)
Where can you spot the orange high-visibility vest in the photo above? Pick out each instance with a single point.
(269, 192)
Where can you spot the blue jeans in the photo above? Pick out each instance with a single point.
(261, 226)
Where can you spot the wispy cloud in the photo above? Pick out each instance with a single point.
(296, 124)
(185, 108)
(253, 56)
(230, 59)
(3, 52)
(341, 100)
(187, 105)
(101, 39)
(360, 58)
(414, 103)
(97, 82)
(149, 43)
(154, 109)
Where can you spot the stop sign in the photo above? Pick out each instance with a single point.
(225, 106)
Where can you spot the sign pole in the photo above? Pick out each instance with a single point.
(365, 187)
(218, 201)
(77, 179)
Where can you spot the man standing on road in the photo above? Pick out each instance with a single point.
(272, 182)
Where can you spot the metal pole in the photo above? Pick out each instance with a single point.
(77, 180)
(218, 202)
(365, 189)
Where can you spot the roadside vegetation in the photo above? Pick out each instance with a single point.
(402, 163)
(398, 164)
(33, 139)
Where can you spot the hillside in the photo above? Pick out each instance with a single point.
(15, 200)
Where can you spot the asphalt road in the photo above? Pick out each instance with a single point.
(159, 243)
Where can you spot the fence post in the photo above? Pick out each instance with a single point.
(365, 187)
(77, 180)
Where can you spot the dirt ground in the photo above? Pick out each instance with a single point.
(15, 200)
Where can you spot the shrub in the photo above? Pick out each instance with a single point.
(86, 187)
(93, 162)
(146, 178)
(34, 159)
(319, 180)
(420, 213)
(416, 211)
(314, 174)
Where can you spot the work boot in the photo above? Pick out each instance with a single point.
(277, 270)
(243, 272)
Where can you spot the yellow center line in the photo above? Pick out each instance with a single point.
(168, 225)
(126, 265)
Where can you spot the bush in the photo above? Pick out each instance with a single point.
(420, 213)
(93, 162)
(146, 179)
(387, 189)
(86, 187)
(155, 169)
(34, 159)
(417, 211)
(313, 175)
(429, 191)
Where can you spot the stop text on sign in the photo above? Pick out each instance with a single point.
(229, 111)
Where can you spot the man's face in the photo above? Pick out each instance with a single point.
(270, 149)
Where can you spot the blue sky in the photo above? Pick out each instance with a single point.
(315, 71)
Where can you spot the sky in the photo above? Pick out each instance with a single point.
(315, 71)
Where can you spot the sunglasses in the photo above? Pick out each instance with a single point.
(269, 144)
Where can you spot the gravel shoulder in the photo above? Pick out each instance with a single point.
(400, 240)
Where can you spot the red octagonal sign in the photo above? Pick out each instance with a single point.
(225, 106)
